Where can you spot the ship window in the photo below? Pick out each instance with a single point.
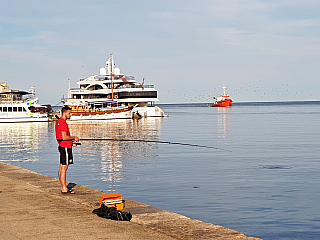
(95, 87)
(24, 110)
(139, 94)
(15, 109)
(84, 86)
(5, 109)
(9, 109)
(0, 109)
(20, 109)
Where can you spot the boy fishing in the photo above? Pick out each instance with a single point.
(65, 147)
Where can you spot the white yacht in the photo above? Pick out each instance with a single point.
(102, 96)
(21, 106)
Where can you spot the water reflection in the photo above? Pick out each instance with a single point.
(22, 141)
(109, 158)
(224, 122)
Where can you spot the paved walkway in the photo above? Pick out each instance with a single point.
(32, 207)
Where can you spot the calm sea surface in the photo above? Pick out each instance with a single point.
(264, 180)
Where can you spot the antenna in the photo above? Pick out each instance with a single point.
(224, 90)
(111, 73)
(69, 95)
(33, 91)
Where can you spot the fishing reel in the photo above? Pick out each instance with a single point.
(75, 143)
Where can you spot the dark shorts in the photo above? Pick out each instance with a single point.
(66, 157)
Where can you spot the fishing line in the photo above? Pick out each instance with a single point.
(58, 104)
(151, 141)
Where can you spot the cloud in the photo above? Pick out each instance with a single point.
(14, 53)
(53, 38)
(266, 27)
(207, 37)
(291, 27)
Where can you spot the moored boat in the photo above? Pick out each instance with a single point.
(100, 111)
(223, 100)
(21, 106)
(112, 95)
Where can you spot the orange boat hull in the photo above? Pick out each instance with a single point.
(223, 103)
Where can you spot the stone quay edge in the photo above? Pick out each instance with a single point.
(32, 207)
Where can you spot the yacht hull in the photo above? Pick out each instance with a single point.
(23, 119)
(223, 103)
(102, 115)
(150, 111)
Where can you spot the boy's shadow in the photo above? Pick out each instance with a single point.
(71, 185)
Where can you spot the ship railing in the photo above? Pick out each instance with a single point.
(28, 99)
(10, 102)
(143, 86)
(135, 86)
(108, 77)
(77, 90)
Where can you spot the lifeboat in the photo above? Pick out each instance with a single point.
(223, 100)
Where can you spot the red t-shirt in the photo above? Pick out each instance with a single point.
(62, 126)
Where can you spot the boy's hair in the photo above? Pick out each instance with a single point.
(64, 109)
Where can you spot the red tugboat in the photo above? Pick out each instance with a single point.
(222, 101)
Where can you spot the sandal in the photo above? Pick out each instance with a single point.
(69, 191)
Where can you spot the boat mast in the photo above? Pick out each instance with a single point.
(69, 94)
(112, 74)
(33, 91)
(224, 90)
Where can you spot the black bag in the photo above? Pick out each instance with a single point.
(120, 216)
(112, 213)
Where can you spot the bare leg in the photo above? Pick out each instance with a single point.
(63, 177)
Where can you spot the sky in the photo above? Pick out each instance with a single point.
(260, 50)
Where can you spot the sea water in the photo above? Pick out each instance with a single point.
(261, 178)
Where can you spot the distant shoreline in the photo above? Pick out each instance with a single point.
(248, 103)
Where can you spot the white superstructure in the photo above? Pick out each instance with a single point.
(110, 85)
(21, 106)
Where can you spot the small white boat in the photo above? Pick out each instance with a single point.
(21, 106)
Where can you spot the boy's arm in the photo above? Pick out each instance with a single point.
(65, 137)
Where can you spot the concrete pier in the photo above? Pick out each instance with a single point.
(32, 207)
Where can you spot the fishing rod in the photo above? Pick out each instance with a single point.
(151, 141)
